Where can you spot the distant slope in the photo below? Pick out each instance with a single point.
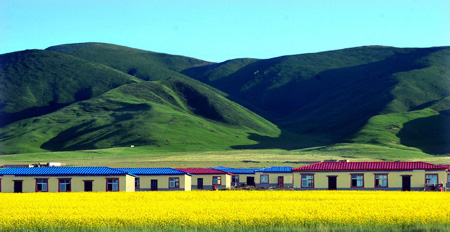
(146, 65)
(427, 129)
(95, 95)
(173, 114)
(334, 94)
(36, 82)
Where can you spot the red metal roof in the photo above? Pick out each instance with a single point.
(196, 171)
(361, 166)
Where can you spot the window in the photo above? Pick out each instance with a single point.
(112, 185)
(381, 181)
(431, 179)
(235, 179)
(88, 185)
(41, 185)
(65, 185)
(357, 181)
(448, 179)
(307, 181)
(217, 180)
(174, 182)
(137, 183)
(264, 179)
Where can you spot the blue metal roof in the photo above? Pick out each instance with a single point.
(152, 171)
(276, 169)
(237, 170)
(57, 171)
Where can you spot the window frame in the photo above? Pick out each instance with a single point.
(432, 174)
(59, 184)
(219, 180)
(448, 178)
(351, 180)
(261, 178)
(36, 185)
(375, 180)
(177, 181)
(306, 175)
(112, 188)
(0, 185)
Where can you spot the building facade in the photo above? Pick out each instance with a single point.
(400, 176)
(240, 176)
(65, 179)
(206, 178)
(274, 177)
(160, 179)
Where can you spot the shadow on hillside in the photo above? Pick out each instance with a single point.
(430, 134)
(286, 141)
(336, 103)
(7, 118)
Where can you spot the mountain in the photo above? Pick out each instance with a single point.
(335, 94)
(173, 114)
(36, 82)
(96, 95)
(146, 65)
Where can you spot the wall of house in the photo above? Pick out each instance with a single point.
(243, 178)
(77, 183)
(208, 181)
(129, 185)
(273, 179)
(344, 179)
(228, 181)
(447, 186)
(163, 182)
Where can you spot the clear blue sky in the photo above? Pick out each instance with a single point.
(217, 30)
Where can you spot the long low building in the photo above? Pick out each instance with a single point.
(405, 176)
(274, 177)
(160, 179)
(208, 178)
(241, 176)
(65, 179)
(271, 177)
(401, 176)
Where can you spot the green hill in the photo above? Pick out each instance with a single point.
(333, 95)
(96, 95)
(173, 114)
(35, 82)
(146, 65)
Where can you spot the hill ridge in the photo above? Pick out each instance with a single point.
(314, 99)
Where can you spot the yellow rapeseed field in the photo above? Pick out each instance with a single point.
(208, 209)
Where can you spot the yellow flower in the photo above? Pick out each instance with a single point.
(221, 209)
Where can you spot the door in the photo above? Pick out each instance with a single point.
(88, 185)
(332, 183)
(406, 183)
(18, 186)
(154, 185)
(280, 181)
(200, 183)
(250, 180)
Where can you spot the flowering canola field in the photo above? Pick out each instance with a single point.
(208, 209)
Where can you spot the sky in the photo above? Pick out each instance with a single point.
(219, 30)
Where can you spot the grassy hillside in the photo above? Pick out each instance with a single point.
(172, 114)
(427, 129)
(334, 94)
(36, 82)
(145, 65)
(96, 95)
